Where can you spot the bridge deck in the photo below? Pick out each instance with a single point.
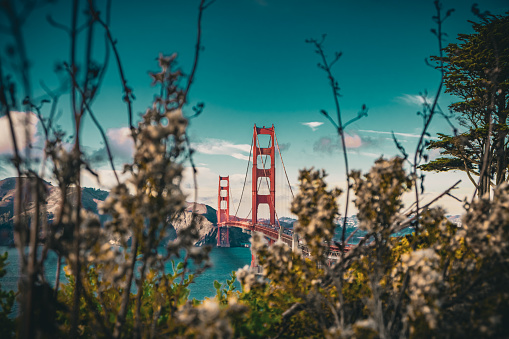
(272, 232)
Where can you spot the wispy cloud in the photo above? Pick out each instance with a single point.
(408, 135)
(326, 145)
(368, 154)
(23, 122)
(330, 145)
(121, 141)
(240, 156)
(412, 99)
(105, 178)
(284, 146)
(434, 154)
(312, 124)
(121, 146)
(208, 182)
(223, 147)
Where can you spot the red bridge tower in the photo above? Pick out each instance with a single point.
(223, 211)
(264, 173)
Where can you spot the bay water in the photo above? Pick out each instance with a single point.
(224, 261)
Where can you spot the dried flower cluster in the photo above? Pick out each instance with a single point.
(316, 209)
(490, 235)
(378, 194)
(423, 269)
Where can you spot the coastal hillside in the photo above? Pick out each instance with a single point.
(90, 197)
(207, 218)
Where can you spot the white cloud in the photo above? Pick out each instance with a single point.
(208, 181)
(413, 99)
(223, 147)
(106, 178)
(121, 146)
(121, 142)
(434, 154)
(312, 124)
(240, 156)
(370, 154)
(409, 135)
(352, 141)
(23, 122)
(207, 184)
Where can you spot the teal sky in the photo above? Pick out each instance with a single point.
(256, 69)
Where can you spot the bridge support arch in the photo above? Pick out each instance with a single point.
(223, 212)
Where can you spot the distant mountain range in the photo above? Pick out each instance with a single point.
(90, 197)
(207, 219)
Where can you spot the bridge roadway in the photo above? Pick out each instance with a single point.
(273, 234)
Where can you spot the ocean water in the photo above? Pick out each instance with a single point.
(224, 261)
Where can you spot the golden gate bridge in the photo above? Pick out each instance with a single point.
(263, 172)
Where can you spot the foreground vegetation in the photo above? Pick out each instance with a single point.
(441, 281)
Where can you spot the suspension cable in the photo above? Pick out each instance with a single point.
(231, 197)
(283, 166)
(245, 178)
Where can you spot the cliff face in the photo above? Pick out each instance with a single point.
(183, 221)
(207, 226)
(206, 219)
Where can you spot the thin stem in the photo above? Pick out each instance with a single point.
(128, 92)
(18, 238)
(340, 129)
(202, 7)
(127, 289)
(97, 315)
(57, 277)
(76, 267)
(101, 131)
(417, 157)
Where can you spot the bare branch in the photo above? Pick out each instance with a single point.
(100, 129)
(202, 7)
(128, 92)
